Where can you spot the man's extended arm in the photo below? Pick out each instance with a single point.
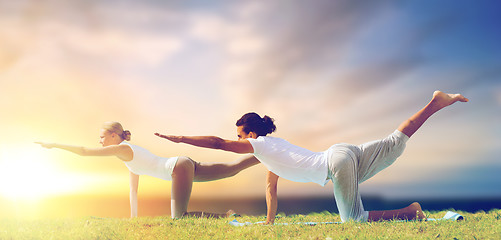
(242, 146)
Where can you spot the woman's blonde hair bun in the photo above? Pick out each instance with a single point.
(126, 135)
(116, 127)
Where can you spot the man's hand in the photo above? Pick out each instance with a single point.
(176, 139)
(268, 223)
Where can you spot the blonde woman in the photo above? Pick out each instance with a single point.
(182, 171)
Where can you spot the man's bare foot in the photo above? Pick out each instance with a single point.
(415, 207)
(441, 99)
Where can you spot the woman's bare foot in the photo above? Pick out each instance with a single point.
(441, 99)
(230, 213)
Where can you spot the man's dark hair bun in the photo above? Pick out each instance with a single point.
(269, 124)
(252, 122)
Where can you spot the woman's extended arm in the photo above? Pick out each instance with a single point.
(242, 146)
(271, 197)
(123, 152)
(134, 183)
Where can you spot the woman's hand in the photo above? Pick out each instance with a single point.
(176, 139)
(46, 145)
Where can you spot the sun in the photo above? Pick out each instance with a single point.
(27, 173)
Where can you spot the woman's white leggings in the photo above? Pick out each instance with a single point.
(350, 165)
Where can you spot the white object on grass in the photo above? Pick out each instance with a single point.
(448, 216)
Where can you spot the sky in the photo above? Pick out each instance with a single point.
(326, 71)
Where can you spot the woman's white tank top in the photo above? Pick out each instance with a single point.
(146, 163)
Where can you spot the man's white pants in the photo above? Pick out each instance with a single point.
(350, 165)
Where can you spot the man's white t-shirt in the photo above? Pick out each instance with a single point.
(290, 161)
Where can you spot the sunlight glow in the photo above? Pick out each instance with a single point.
(28, 174)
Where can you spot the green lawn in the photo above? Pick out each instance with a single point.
(479, 225)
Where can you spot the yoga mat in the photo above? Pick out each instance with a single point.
(451, 216)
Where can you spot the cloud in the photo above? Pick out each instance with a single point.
(312, 50)
(498, 96)
(295, 45)
(66, 31)
(235, 38)
(10, 52)
(128, 46)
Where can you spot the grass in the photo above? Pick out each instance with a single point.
(478, 225)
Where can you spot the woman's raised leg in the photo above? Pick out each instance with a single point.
(205, 172)
(439, 101)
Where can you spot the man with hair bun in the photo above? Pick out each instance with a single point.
(345, 165)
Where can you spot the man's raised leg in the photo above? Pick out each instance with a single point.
(409, 127)
(439, 101)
